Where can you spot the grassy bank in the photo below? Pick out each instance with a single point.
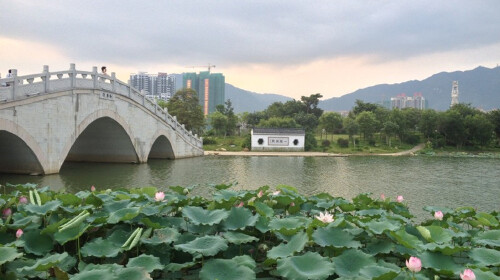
(281, 234)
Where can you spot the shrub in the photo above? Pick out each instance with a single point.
(209, 141)
(371, 142)
(343, 143)
(325, 143)
(310, 141)
(247, 143)
(412, 139)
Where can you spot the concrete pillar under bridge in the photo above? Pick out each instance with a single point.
(84, 117)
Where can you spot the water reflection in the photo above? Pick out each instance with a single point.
(422, 181)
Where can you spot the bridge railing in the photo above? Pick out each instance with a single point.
(23, 87)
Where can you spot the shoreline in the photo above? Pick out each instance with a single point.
(410, 152)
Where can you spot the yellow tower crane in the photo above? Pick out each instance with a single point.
(209, 66)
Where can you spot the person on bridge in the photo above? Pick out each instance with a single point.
(104, 70)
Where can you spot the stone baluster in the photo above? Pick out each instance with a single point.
(72, 74)
(113, 81)
(94, 73)
(46, 78)
(129, 89)
(14, 84)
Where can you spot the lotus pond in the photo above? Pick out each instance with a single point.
(260, 234)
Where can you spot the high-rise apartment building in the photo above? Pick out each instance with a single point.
(160, 86)
(210, 88)
(402, 101)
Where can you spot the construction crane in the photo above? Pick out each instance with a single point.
(209, 66)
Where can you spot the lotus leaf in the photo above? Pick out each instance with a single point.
(382, 225)
(350, 262)
(100, 248)
(486, 219)
(37, 243)
(94, 200)
(380, 246)
(489, 238)
(70, 234)
(378, 272)
(151, 191)
(114, 206)
(308, 266)
(439, 262)
(207, 246)
(43, 209)
(124, 214)
(98, 274)
(336, 237)
(246, 261)
(289, 225)
(223, 186)
(435, 234)
(162, 236)
(296, 244)
(69, 199)
(406, 239)
(112, 267)
(263, 209)
(151, 210)
(8, 254)
(372, 212)
(178, 266)
(239, 218)
(45, 263)
(238, 237)
(148, 262)
(485, 275)
(485, 257)
(132, 273)
(225, 269)
(445, 249)
(226, 195)
(198, 215)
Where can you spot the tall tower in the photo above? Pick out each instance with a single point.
(454, 93)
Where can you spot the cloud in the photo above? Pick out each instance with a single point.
(234, 33)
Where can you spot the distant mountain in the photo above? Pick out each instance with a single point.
(480, 87)
(247, 101)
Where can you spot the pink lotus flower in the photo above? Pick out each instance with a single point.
(414, 264)
(382, 196)
(159, 196)
(260, 194)
(325, 218)
(23, 200)
(468, 275)
(7, 212)
(92, 189)
(438, 215)
(276, 192)
(19, 233)
(400, 198)
(240, 205)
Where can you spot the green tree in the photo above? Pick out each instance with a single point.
(308, 121)
(311, 104)
(479, 128)
(389, 129)
(278, 123)
(184, 105)
(352, 128)
(452, 126)
(367, 124)
(330, 122)
(364, 107)
(428, 124)
(219, 123)
(494, 117)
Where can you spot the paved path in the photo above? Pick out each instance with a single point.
(306, 154)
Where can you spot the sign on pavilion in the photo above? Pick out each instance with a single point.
(278, 139)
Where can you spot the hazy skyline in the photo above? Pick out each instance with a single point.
(291, 48)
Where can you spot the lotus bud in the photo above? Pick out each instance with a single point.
(382, 196)
(92, 189)
(260, 194)
(7, 212)
(414, 264)
(276, 192)
(400, 198)
(292, 204)
(263, 247)
(468, 275)
(23, 200)
(185, 191)
(438, 215)
(19, 233)
(240, 205)
(179, 209)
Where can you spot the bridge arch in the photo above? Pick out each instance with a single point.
(102, 136)
(161, 146)
(20, 152)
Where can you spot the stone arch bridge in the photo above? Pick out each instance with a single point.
(53, 117)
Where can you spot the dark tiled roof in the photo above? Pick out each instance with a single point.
(284, 131)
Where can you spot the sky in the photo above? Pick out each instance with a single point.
(287, 47)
